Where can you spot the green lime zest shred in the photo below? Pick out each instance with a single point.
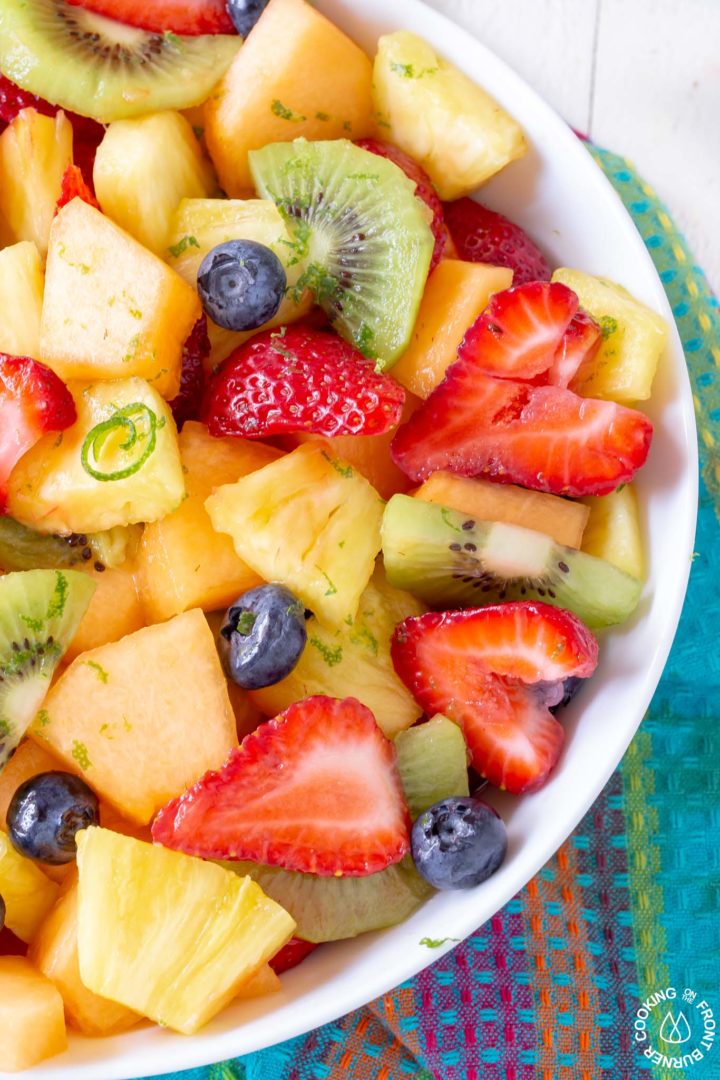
(121, 419)
(80, 754)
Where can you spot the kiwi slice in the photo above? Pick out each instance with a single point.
(104, 69)
(24, 549)
(432, 762)
(451, 560)
(361, 234)
(333, 908)
(40, 610)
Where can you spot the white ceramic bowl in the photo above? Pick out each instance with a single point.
(561, 197)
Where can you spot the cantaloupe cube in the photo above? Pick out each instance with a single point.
(32, 1021)
(248, 715)
(168, 935)
(112, 309)
(634, 338)
(143, 717)
(29, 760)
(21, 297)
(455, 294)
(54, 952)
(114, 611)
(183, 562)
(560, 518)
(297, 75)
(27, 892)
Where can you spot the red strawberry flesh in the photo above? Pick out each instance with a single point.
(423, 189)
(316, 790)
(482, 235)
(579, 345)
(291, 955)
(188, 403)
(299, 379)
(478, 668)
(165, 16)
(33, 401)
(74, 186)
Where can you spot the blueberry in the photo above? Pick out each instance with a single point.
(458, 843)
(245, 13)
(45, 813)
(2, 913)
(241, 284)
(263, 636)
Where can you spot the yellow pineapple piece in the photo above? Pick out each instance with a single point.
(143, 168)
(71, 484)
(613, 531)
(168, 935)
(35, 151)
(115, 610)
(143, 717)
(54, 952)
(112, 309)
(354, 661)
(27, 892)
(296, 75)
(455, 294)
(32, 1021)
(21, 297)
(183, 562)
(310, 521)
(435, 113)
(634, 338)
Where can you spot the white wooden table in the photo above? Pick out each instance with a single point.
(641, 77)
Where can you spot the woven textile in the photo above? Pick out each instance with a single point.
(549, 988)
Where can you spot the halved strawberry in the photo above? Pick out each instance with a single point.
(316, 789)
(518, 335)
(33, 401)
(423, 189)
(541, 437)
(291, 955)
(478, 667)
(580, 342)
(165, 16)
(188, 403)
(74, 186)
(482, 235)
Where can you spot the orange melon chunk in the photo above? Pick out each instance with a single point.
(32, 1021)
(114, 611)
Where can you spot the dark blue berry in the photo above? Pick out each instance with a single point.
(245, 13)
(2, 913)
(458, 843)
(241, 284)
(556, 694)
(263, 636)
(45, 813)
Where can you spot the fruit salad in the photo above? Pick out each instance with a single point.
(316, 500)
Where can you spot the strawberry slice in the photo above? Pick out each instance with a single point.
(541, 437)
(316, 789)
(579, 344)
(73, 186)
(481, 235)
(291, 955)
(423, 189)
(165, 16)
(33, 401)
(519, 333)
(489, 669)
(188, 403)
(300, 379)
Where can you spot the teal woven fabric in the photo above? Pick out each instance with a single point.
(550, 988)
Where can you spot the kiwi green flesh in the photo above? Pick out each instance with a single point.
(450, 559)
(333, 908)
(40, 610)
(362, 237)
(102, 68)
(22, 548)
(432, 762)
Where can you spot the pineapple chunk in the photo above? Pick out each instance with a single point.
(183, 562)
(35, 151)
(115, 610)
(199, 225)
(435, 113)
(67, 484)
(168, 935)
(112, 309)
(31, 1016)
(613, 531)
(263, 982)
(309, 521)
(27, 892)
(143, 168)
(634, 338)
(354, 661)
(21, 297)
(54, 952)
(143, 717)
(297, 75)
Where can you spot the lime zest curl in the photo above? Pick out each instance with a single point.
(122, 418)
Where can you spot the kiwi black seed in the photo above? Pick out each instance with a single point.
(451, 561)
